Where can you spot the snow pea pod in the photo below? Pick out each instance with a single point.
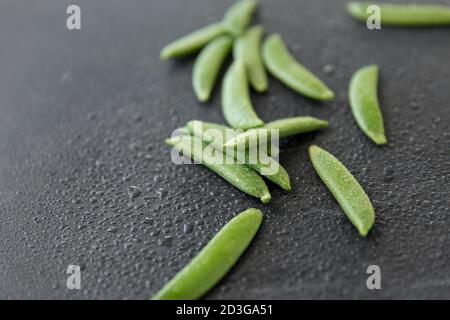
(266, 166)
(207, 137)
(236, 105)
(238, 16)
(286, 127)
(192, 42)
(364, 103)
(239, 175)
(248, 48)
(214, 260)
(209, 131)
(403, 15)
(208, 64)
(345, 188)
(282, 65)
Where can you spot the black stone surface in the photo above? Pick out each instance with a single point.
(83, 116)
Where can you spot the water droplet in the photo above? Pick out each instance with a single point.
(133, 192)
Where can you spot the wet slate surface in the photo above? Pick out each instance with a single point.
(83, 115)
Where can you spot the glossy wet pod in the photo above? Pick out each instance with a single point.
(283, 66)
(208, 64)
(248, 49)
(403, 14)
(364, 103)
(239, 175)
(345, 188)
(236, 105)
(214, 260)
(192, 42)
(238, 16)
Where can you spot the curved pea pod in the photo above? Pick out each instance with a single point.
(272, 170)
(210, 132)
(345, 188)
(214, 260)
(286, 127)
(266, 166)
(364, 103)
(236, 105)
(238, 16)
(402, 15)
(192, 42)
(248, 49)
(283, 66)
(208, 64)
(239, 175)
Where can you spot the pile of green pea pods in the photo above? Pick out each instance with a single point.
(252, 58)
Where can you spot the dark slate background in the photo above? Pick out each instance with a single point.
(83, 115)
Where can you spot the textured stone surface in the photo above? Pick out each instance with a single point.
(83, 115)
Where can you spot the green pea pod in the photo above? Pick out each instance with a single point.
(236, 105)
(264, 165)
(222, 131)
(183, 131)
(207, 131)
(214, 260)
(282, 65)
(364, 103)
(238, 16)
(248, 49)
(286, 127)
(192, 42)
(402, 15)
(239, 175)
(208, 64)
(345, 188)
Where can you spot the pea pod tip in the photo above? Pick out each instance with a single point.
(164, 55)
(266, 197)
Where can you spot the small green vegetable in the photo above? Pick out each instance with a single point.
(236, 105)
(239, 175)
(207, 131)
(238, 16)
(248, 49)
(403, 15)
(214, 260)
(364, 103)
(286, 127)
(283, 66)
(192, 42)
(208, 64)
(345, 188)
